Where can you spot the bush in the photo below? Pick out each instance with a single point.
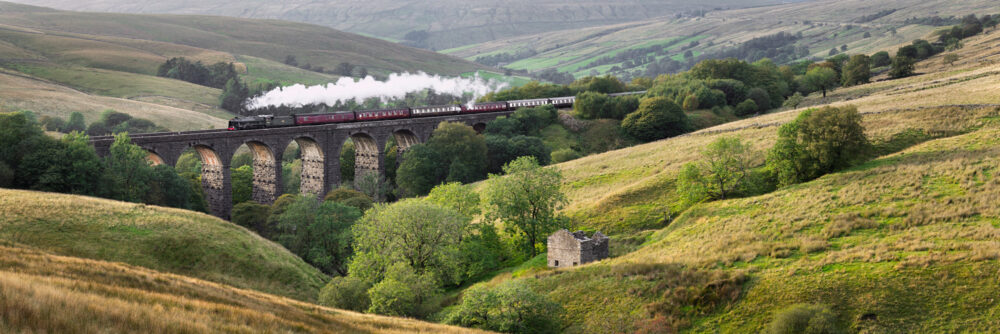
(511, 307)
(347, 195)
(252, 216)
(349, 293)
(761, 98)
(745, 108)
(805, 319)
(404, 293)
(819, 141)
(564, 155)
(656, 118)
(793, 101)
(901, 67)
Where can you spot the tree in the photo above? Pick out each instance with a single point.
(690, 103)
(167, 188)
(290, 60)
(820, 78)
(760, 97)
(456, 196)
(422, 235)
(564, 155)
(76, 123)
(591, 105)
(511, 307)
(347, 156)
(950, 59)
(880, 59)
(656, 118)
(819, 141)
(345, 292)
(502, 150)
(349, 197)
(328, 238)
(525, 200)
(252, 216)
(902, 67)
(242, 184)
(404, 292)
(455, 152)
(857, 71)
(422, 169)
(126, 171)
(724, 171)
(234, 93)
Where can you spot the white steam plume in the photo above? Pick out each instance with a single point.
(397, 86)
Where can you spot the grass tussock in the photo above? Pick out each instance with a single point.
(45, 293)
(169, 240)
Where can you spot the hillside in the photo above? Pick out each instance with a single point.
(903, 243)
(90, 62)
(169, 240)
(449, 23)
(46, 293)
(823, 25)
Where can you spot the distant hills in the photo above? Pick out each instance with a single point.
(56, 62)
(448, 23)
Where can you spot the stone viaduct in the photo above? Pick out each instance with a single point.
(320, 147)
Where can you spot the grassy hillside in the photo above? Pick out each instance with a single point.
(824, 25)
(169, 240)
(906, 242)
(268, 39)
(46, 293)
(22, 92)
(450, 23)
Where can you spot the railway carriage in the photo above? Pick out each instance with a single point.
(562, 102)
(436, 110)
(336, 117)
(485, 107)
(374, 115)
(527, 103)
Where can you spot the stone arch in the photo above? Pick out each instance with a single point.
(480, 127)
(154, 159)
(367, 155)
(266, 185)
(214, 181)
(404, 140)
(313, 170)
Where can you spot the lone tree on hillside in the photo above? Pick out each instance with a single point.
(723, 172)
(857, 71)
(819, 141)
(950, 59)
(821, 78)
(902, 67)
(525, 200)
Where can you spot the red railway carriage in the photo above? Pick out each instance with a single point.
(372, 115)
(485, 107)
(337, 117)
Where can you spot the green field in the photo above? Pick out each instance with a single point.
(264, 71)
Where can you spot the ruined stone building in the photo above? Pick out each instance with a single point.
(572, 249)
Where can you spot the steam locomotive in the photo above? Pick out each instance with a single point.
(271, 121)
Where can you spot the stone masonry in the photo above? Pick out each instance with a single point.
(572, 249)
(320, 146)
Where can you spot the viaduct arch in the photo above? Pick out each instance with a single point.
(320, 147)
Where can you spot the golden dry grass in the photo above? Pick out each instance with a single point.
(44, 293)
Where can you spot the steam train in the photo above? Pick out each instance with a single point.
(271, 121)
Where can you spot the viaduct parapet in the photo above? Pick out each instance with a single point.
(320, 147)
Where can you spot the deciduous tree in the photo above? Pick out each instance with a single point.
(525, 200)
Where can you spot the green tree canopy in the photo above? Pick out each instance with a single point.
(857, 71)
(415, 232)
(525, 199)
(819, 141)
(820, 78)
(511, 307)
(656, 118)
(127, 173)
(902, 67)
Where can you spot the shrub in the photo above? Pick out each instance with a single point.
(511, 307)
(902, 67)
(819, 141)
(805, 319)
(349, 293)
(252, 216)
(404, 293)
(349, 197)
(656, 118)
(746, 108)
(793, 101)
